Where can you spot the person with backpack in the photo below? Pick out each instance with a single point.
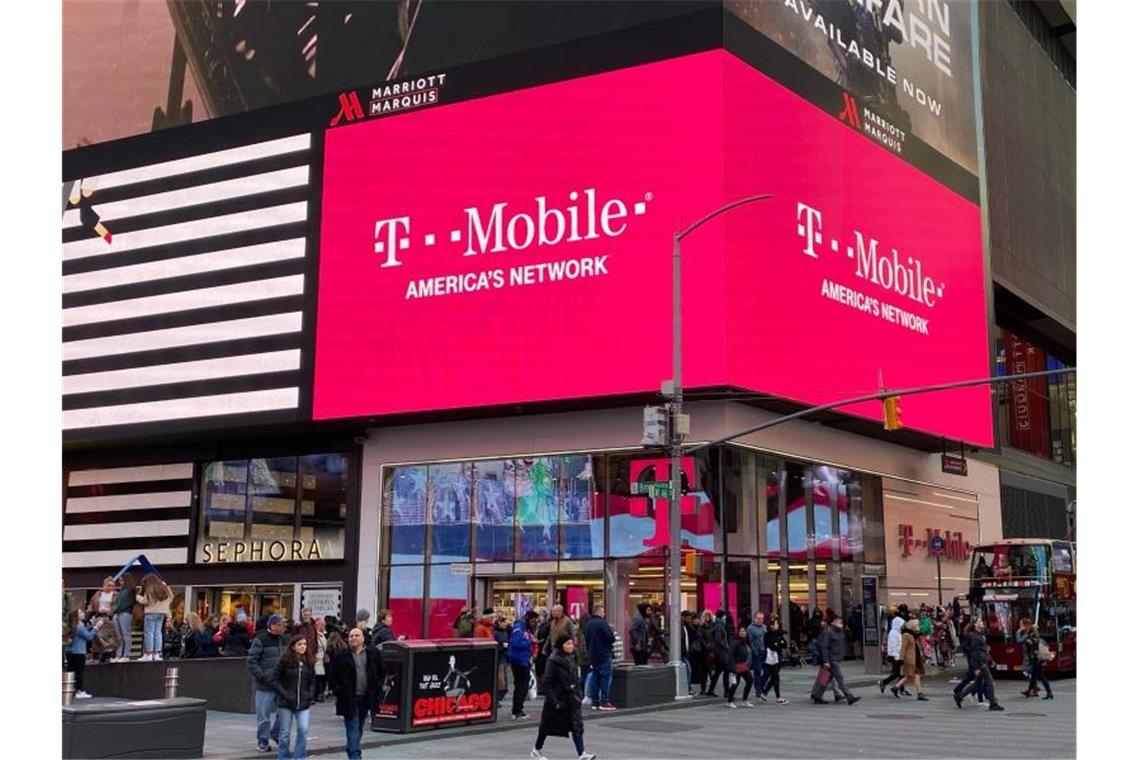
(1037, 653)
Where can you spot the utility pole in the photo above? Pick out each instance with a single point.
(678, 429)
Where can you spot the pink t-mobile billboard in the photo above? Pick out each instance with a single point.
(518, 247)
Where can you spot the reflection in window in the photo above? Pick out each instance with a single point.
(324, 501)
(446, 596)
(583, 516)
(494, 510)
(449, 504)
(223, 499)
(536, 508)
(823, 487)
(797, 511)
(405, 513)
(406, 600)
(633, 519)
(769, 472)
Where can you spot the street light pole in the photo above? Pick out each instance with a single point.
(676, 440)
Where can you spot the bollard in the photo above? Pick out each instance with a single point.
(171, 690)
(68, 688)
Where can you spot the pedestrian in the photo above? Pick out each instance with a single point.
(638, 635)
(295, 681)
(383, 630)
(722, 655)
(502, 635)
(485, 626)
(81, 632)
(320, 659)
(191, 630)
(171, 640)
(687, 634)
(562, 703)
(362, 618)
(155, 598)
(103, 601)
(814, 626)
(354, 675)
(741, 654)
(600, 649)
(913, 668)
(894, 655)
(264, 652)
(307, 627)
(756, 632)
(831, 646)
(207, 647)
(519, 656)
(464, 625)
(855, 630)
(542, 641)
(233, 638)
(774, 653)
(582, 653)
(560, 623)
(1034, 649)
(981, 680)
(123, 615)
(705, 658)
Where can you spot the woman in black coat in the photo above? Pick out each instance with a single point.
(295, 682)
(774, 642)
(562, 708)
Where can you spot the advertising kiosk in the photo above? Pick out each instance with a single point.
(428, 683)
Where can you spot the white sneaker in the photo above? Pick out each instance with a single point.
(534, 753)
(587, 756)
(746, 703)
(586, 702)
(82, 695)
(731, 705)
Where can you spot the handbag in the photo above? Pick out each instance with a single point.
(823, 677)
(1044, 653)
(772, 657)
(742, 667)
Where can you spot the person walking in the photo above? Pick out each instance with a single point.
(894, 654)
(638, 635)
(1033, 651)
(775, 646)
(706, 659)
(687, 635)
(123, 616)
(155, 598)
(756, 632)
(81, 633)
(562, 699)
(264, 652)
(519, 656)
(912, 660)
(977, 653)
(600, 645)
(354, 675)
(722, 655)
(831, 648)
(502, 634)
(295, 681)
(741, 653)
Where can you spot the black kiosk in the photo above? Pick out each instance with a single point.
(429, 683)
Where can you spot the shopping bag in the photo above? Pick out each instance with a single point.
(823, 677)
(772, 658)
(532, 688)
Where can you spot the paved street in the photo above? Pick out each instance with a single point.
(877, 726)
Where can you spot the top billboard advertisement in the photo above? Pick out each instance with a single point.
(516, 248)
(908, 62)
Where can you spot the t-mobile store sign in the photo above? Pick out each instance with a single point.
(517, 248)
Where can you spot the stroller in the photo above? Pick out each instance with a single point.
(795, 658)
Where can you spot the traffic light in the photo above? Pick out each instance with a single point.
(892, 413)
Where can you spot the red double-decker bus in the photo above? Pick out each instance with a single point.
(1033, 578)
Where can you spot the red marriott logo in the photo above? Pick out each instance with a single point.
(850, 112)
(350, 109)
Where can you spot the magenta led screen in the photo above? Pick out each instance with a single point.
(517, 248)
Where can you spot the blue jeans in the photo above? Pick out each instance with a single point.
(266, 704)
(599, 682)
(354, 728)
(123, 622)
(285, 720)
(152, 632)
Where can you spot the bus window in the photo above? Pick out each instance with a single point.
(1027, 561)
(1003, 618)
(983, 567)
(1062, 559)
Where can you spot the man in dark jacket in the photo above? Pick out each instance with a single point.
(831, 646)
(383, 630)
(722, 656)
(978, 673)
(354, 676)
(600, 649)
(639, 635)
(263, 656)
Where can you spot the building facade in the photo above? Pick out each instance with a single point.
(380, 334)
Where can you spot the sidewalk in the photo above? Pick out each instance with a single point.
(233, 735)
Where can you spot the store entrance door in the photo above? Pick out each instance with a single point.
(515, 596)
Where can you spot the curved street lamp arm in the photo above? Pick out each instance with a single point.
(719, 211)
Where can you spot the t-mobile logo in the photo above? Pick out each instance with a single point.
(496, 230)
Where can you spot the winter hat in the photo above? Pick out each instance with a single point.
(274, 619)
(562, 639)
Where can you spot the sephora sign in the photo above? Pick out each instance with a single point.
(518, 248)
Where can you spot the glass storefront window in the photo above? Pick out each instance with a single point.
(822, 491)
(583, 510)
(449, 505)
(740, 502)
(494, 510)
(796, 509)
(769, 475)
(536, 508)
(406, 600)
(447, 595)
(633, 519)
(405, 514)
(274, 508)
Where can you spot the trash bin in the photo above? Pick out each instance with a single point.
(428, 683)
(100, 727)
